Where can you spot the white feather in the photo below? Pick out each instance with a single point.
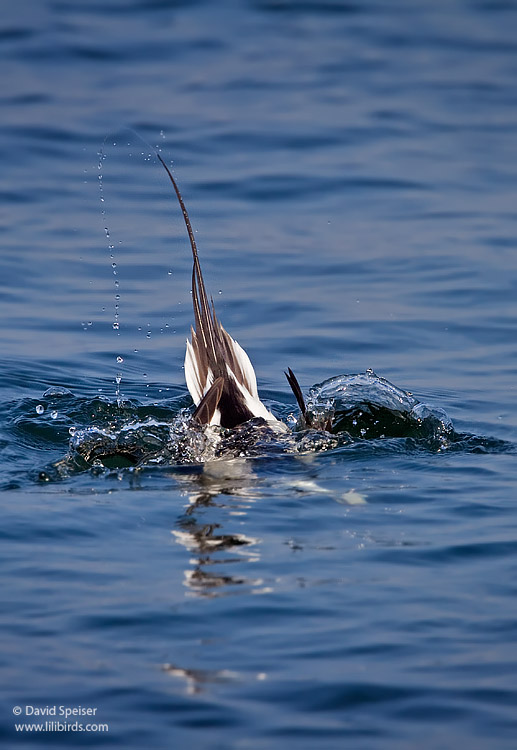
(253, 403)
(246, 367)
(196, 389)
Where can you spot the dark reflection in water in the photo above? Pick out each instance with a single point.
(230, 487)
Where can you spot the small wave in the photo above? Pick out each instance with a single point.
(366, 406)
(363, 414)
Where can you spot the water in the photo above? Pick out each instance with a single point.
(350, 171)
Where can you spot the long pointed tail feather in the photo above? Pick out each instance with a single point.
(202, 313)
(219, 374)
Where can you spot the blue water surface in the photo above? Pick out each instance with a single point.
(350, 169)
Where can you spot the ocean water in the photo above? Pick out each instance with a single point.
(350, 169)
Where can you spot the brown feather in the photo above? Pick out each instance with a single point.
(212, 346)
(209, 402)
(307, 418)
(295, 387)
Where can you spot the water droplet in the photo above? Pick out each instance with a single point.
(71, 430)
(169, 273)
(118, 378)
(117, 296)
(120, 360)
(40, 409)
(113, 265)
(220, 291)
(53, 414)
(115, 326)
